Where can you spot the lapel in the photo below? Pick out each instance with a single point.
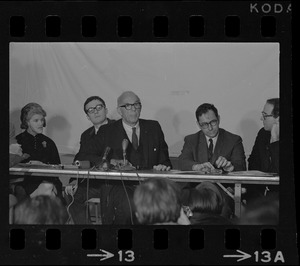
(202, 148)
(121, 133)
(92, 131)
(219, 145)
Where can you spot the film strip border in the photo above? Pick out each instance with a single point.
(151, 21)
(147, 21)
(126, 245)
(124, 239)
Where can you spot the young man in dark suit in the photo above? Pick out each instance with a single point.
(146, 149)
(96, 112)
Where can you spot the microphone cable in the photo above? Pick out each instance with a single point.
(131, 217)
(72, 201)
(139, 178)
(68, 209)
(87, 198)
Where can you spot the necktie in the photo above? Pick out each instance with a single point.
(210, 149)
(135, 142)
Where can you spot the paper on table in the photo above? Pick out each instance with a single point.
(212, 172)
(39, 165)
(251, 173)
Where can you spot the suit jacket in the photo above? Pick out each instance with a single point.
(195, 150)
(154, 149)
(87, 137)
(265, 155)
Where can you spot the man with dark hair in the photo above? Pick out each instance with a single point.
(145, 147)
(211, 147)
(265, 153)
(96, 112)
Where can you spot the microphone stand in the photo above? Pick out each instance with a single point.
(125, 167)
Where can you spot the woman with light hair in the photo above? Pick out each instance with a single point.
(41, 150)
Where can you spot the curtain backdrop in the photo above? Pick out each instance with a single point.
(172, 80)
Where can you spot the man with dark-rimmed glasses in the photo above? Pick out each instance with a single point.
(96, 111)
(265, 152)
(211, 147)
(146, 148)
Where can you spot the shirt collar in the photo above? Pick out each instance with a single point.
(214, 139)
(129, 128)
(98, 126)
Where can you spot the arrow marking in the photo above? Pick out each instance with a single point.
(105, 256)
(241, 256)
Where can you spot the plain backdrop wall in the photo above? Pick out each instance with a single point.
(172, 80)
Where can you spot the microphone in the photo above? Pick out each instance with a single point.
(104, 163)
(106, 152)
(125, 167)
(124, 148)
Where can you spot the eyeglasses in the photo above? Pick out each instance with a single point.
(92, 110)
(264, 115)
(212, 123)
(128, 106)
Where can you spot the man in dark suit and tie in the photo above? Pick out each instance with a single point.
(146, 148)
(211, 147)
(96, 111)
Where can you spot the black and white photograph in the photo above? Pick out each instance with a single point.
(205, 115)
(147, 133)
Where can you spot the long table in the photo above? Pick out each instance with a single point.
(178, 176)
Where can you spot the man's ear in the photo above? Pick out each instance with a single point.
(119, 111)
(219, 119)
(277, 119)
(88, 117)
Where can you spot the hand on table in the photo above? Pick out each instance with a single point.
(119, 163)
(71, 188)
(204, 167)
(161, 167)
(222, 162)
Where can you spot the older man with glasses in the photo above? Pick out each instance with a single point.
(146, 147)
(212, 147)
(134, 144)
